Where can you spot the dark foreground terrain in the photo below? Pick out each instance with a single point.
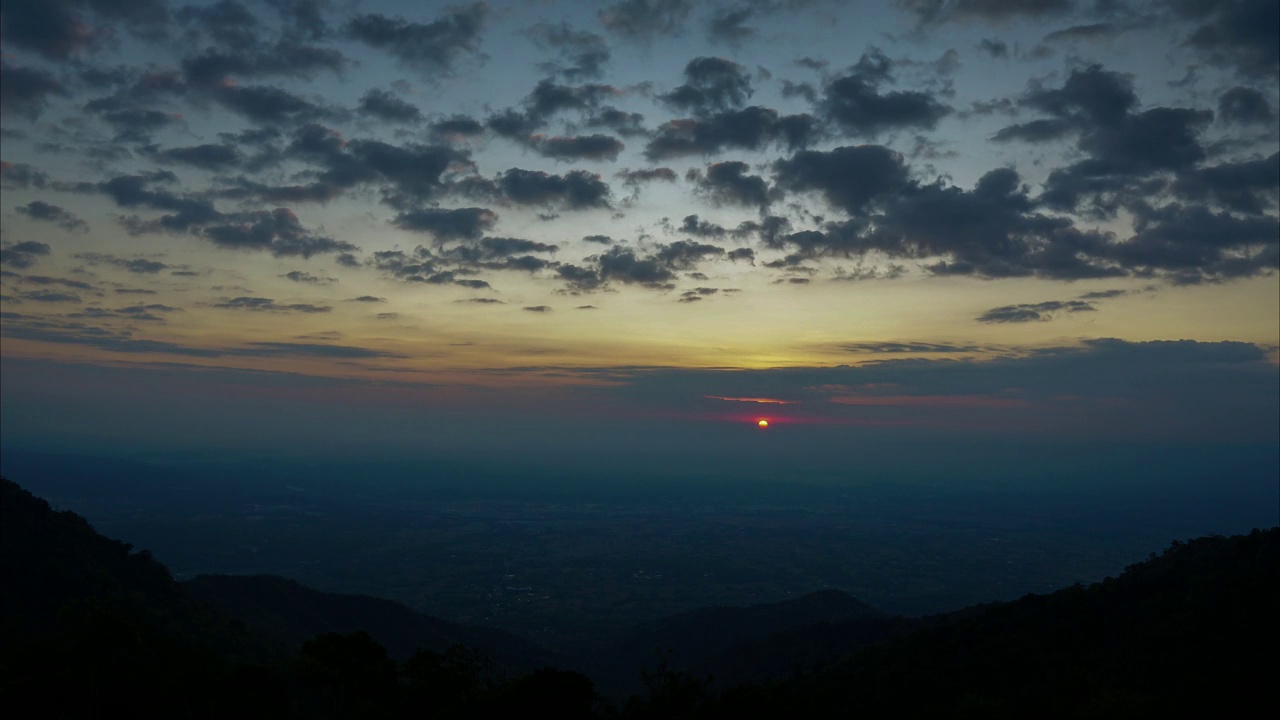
(91, 628)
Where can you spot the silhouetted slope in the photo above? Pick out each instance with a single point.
(289, 613)
(52, 560)
(1194, 629)
(698, 640)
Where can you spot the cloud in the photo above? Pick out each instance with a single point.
(207, 156)
(937, 12)
(25, 90)
(537, 308)
(646, 19)
(261, 304)
(580, 54)
(433, 47)
(1240, 34)
(581, 147)
(643, 176)
(856, 104)
(455, 224)
(751, 128)
(850, 177)
(1034, 312)
(63, 218)
(61, 29)
(1244, 106)
(728, 183)
(368, 299)
(575, 190)
(389, 108)
(22, 255)
(314, 350)
(140, 266)
(300, 276)
(712, 84)
(277, 231)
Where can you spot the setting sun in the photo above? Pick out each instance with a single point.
(763, 424)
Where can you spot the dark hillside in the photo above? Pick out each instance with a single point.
(289, 613)
(1194, 629)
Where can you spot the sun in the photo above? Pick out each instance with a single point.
(763, 424)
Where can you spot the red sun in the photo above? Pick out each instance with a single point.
(763, 424)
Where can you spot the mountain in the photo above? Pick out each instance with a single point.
(288, 613)
(1192, 631)
(88, 627)
(711, 641)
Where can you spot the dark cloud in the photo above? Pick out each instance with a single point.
(851, 177)
(22, 255)
(685, 254)
(63, 218)
(317, 350)
(549, 98)
(226, 23)
(1089, 31)
(139, 266)
(457, 127)
(909, 347)
(1193, 244)
(635, 178)
(1240, 34)
(598, 239)
(24, 90)
(1103, 294)
(934, 12)
(50, 296)
(285, 59)
(537, 308)
(581, 147)
(1244, 106)
(1249, 187)
(728, 183)
(368, 299)
(750, 128)
(46, 280)
(301, 276)
(1033, 312)
(645, 19)
(410, 174)
(426, 47)
(136, 125)
(205, 157)
(624, 123)
(387, 107)
(277, 231)
(621, 264)
(729, 24)
(712, 84)
(856, 104)
(261, 304)
(268, 105)
(580, 55)
(61, 29)
(575, 190)
(21, 175)
(457, 224)
(994, 47)
(1036, 131)
(696, 226)
(580, 279)
(892, 271)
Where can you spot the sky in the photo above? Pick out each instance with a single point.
(313, 226)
